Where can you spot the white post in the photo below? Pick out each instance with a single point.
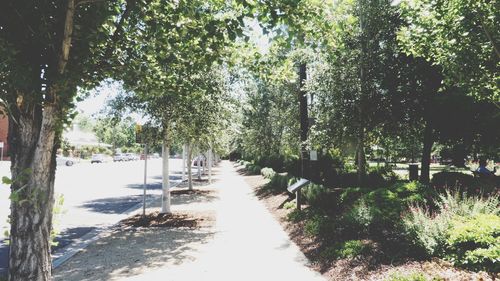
(198, 164)
(184, 162)
(210, 165)
(165, 198)
(204, 164)
(145, 179)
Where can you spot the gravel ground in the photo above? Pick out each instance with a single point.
(244, 242)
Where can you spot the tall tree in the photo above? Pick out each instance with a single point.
(48, 50)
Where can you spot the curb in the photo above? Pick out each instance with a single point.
(64, 254)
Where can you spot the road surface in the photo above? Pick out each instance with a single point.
(95, 196)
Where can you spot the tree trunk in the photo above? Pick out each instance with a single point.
(361, 157)
(184, 151)
(426, 153)
(189, 166)
(32, 138)
(165, 197)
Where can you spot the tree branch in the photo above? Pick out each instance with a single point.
(68, 31)
(81, 2)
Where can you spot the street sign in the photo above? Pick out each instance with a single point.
(313, 155)
(298, 185)
(1, 144)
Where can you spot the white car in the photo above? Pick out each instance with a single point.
(64, 161)
(99, 158)
(119, 157)
(130, 157)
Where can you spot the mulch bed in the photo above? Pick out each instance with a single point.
(191, 192)
(360, 268)
(156, 219)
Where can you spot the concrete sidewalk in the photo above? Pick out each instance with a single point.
(245, 243)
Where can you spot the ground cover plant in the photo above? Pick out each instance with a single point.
(399, 222)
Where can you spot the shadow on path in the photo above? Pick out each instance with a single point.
(172, 246)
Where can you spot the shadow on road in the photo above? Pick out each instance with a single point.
(114, 205)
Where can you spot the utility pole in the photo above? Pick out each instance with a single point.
(304, 126)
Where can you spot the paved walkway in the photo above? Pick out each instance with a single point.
(246, 243)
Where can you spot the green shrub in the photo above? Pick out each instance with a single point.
(409, 277)
(292, 165)
(359, 218)
(319, 225)
(316, 195)
(347, 249)
(451, 180)
(331, 166)
(267, 173)
(463, 229)
(290, 205)
(296, 216)
(474, 242)
(278, 182)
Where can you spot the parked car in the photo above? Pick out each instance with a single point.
(130, 157)
(99, 158)
(119, 157)
(195, 160)
(64, 161)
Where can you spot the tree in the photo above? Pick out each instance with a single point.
(47, 50)
(459, 35)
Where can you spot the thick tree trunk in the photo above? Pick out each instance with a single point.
(32, 138)
(189, 166)
(426, 153)
(165, 197)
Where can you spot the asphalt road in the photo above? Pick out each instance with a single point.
(95, 196)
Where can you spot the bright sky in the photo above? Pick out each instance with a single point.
(95, 104)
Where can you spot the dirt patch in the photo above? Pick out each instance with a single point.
(366, 268)
(156, 219)
(203, 192)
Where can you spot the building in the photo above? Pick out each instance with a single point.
(4, 130)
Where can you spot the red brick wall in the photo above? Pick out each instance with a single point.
(4, 129)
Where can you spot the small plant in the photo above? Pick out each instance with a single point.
(319, 225)
(296, 216)
(290, 205)
(267, 173)
(416, 276)
(347, 249)
(314, 194)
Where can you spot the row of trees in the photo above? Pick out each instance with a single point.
(163, 51)
(397, 76)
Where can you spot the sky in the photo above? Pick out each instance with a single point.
(95, 104)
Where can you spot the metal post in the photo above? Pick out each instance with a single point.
(298, 199)
(145, 180)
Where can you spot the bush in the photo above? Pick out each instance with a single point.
(292, 165)
(316, 195)
(296, 216)
(276, 162)
(347, 249)
(267, 173)
(375, 211)
(331, 166)
(474, 242)
(358, 219)
(463, 229)
(452, 180)
(319, 225)
(279, 182)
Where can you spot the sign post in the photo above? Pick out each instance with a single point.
(296, 187)
(145, 179)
